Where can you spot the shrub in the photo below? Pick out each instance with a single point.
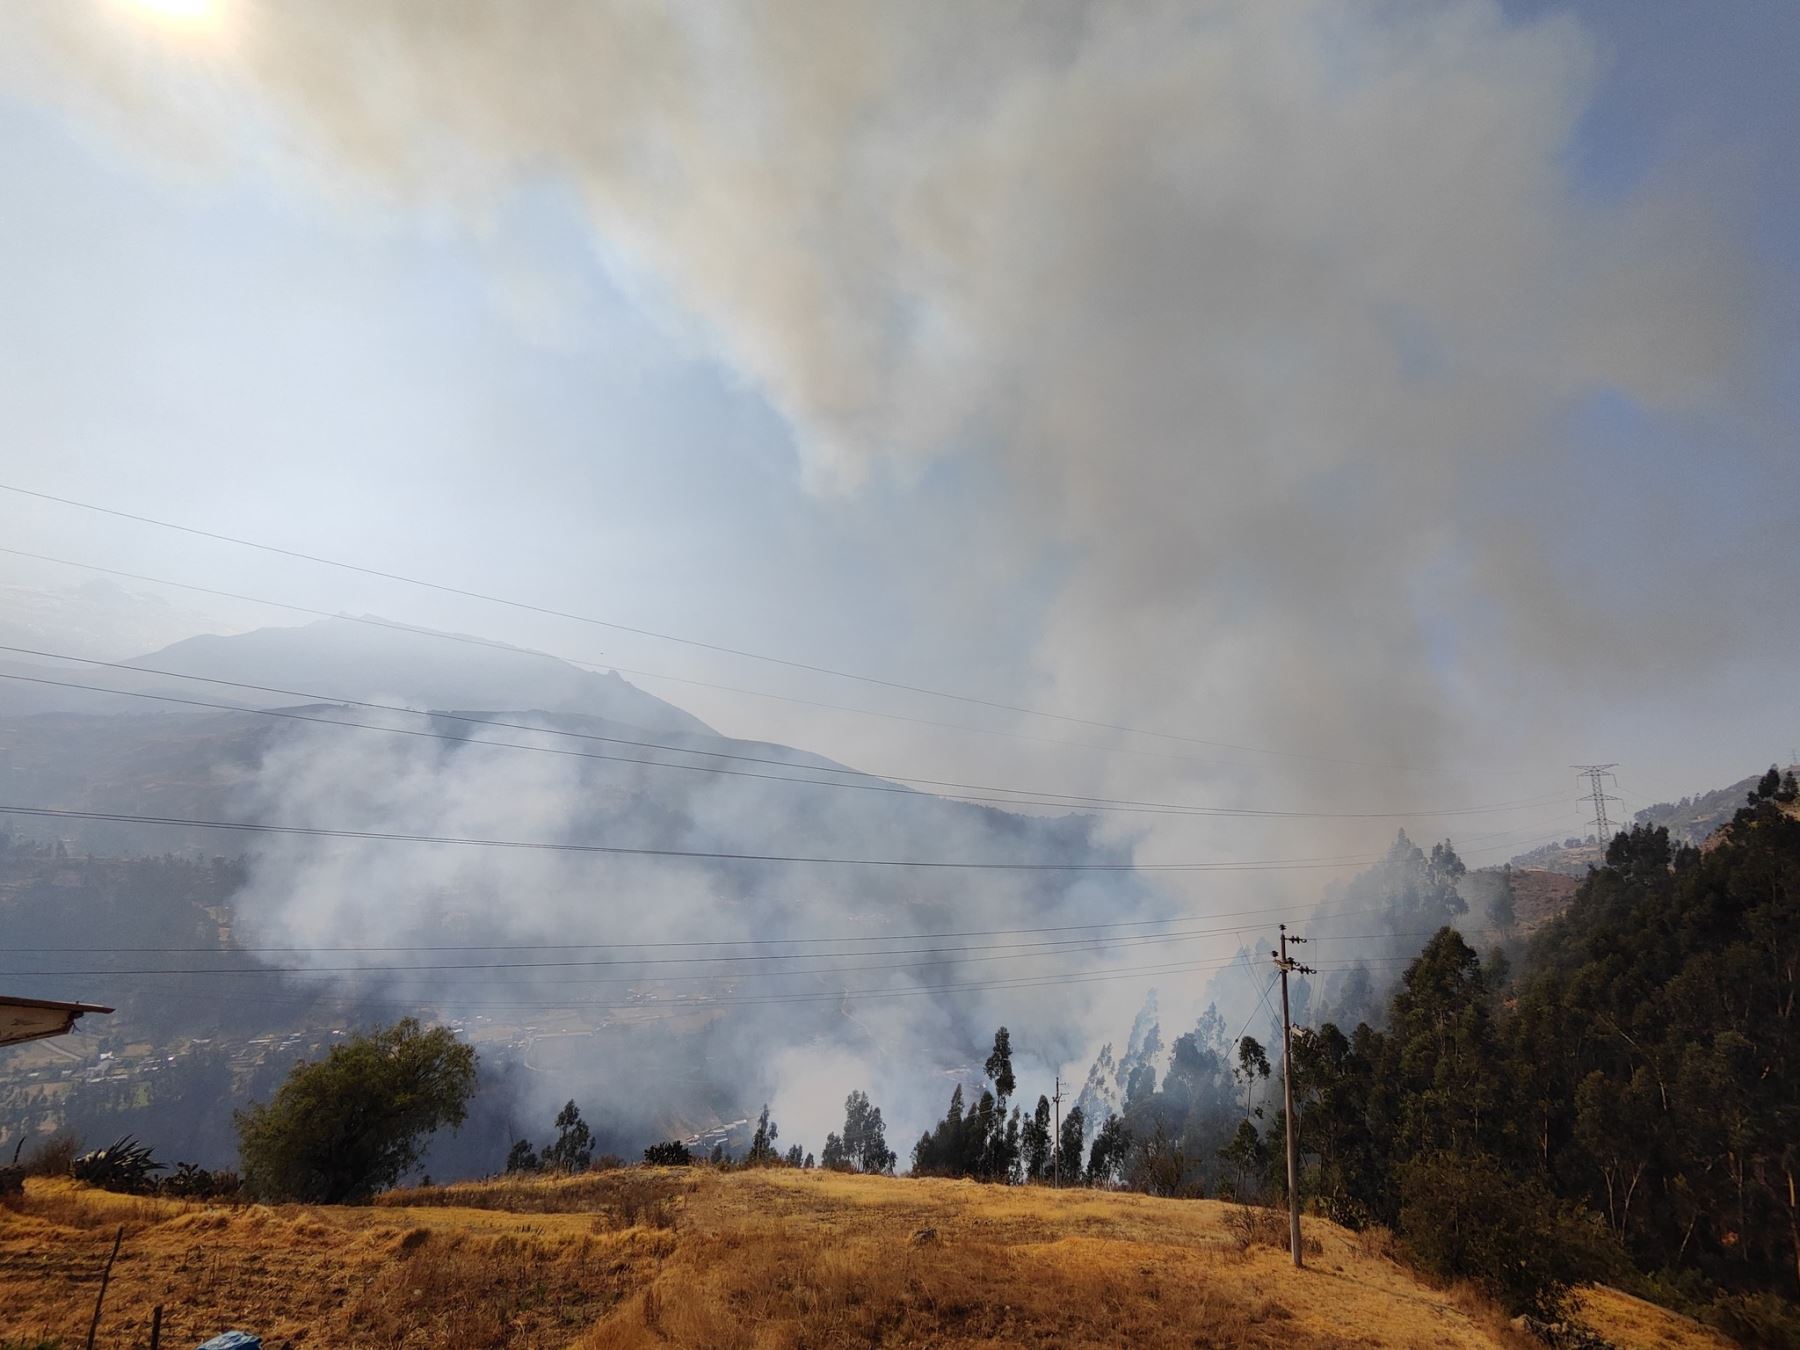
(1755, 1319)
(192, 1182)
(1465, 1218)
(1260, 1226)
(644, 1202)
(351, 1124)
(574, 1145)
(53, 1157)
(672, 1154)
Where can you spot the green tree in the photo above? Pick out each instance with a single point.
(1617, 1125)
(1112, 1148)
(865, 1135)
(1246, 1155)
(1447, 1056)
(762, 1145)
(353, 1123)
(574, 1146)
(1069, 1145)
(1251, 1072)
(522, 1157)
(999, 1065)
(1462, 1216)
(1035, 1141)
(1157, 1164)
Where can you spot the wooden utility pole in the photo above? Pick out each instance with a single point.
(1287, 966)
(1056, 1138)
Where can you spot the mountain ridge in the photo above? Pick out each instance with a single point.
(353, 660)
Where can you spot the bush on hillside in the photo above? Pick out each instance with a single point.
(189, 1181)
(53, 1157)
(1465, 1218)
(351, 1124)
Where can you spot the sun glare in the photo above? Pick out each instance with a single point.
(182, 11)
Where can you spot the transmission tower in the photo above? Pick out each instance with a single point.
(1597, 776)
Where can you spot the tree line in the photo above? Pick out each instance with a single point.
(1624, 1105)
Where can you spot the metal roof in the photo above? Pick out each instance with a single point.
(30, 1019)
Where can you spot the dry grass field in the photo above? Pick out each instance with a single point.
(702, 1259)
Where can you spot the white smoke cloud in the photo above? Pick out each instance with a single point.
(1252, 302)
(1252, 305)
(360, 912)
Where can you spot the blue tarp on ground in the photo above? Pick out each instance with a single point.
(233, 1340)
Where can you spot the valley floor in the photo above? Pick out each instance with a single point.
(696, 1258)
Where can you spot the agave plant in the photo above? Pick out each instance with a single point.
(124, 1165)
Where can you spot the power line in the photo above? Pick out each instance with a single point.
(1261, 913)
(961, 955)
(831, 995)
(1092, 939)
(373, 622)
(1238, 1039)
(735, 942)
(313, 831)
(958, 791)
(413, 630)
(1015, 950)
(699, 855)
(720, 648)
(834, 995)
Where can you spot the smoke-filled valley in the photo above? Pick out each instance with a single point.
(672, 987)
(660, 603)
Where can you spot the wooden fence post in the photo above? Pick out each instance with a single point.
(105, 1276)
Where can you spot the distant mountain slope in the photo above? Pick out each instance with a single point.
(1571, 858)
(1539, 896)
(1692, 820)
(345, 659)
(201, 764)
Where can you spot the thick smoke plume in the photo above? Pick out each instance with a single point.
(563, 925)
(1254, 303)
(1270, 317)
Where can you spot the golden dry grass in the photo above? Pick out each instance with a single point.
(1632, 1324)
(703, 1259)
(393, 1277)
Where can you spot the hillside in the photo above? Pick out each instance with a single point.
(698, 1258)
(1694, 820)
(631, 772)
(360, 658)
(1540, 895)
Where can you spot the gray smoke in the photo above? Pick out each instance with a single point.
(1270, 316)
